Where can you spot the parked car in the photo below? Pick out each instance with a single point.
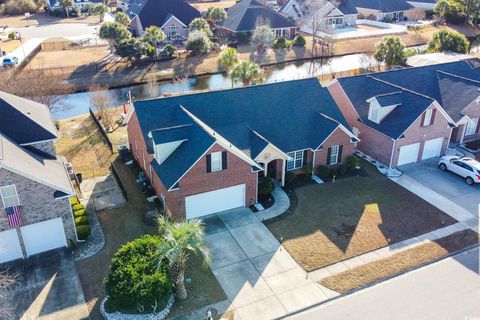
(465, 167)
(9, 61)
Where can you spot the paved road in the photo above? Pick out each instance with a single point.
(449, 289)
(67, 30)
(446, 184)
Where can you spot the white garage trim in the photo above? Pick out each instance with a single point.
(408, 154)
(43, 236)
(432, 148)
(10, 248)
(215, 201)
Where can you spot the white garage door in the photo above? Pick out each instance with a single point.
(215, 201)
(432, 148)
(408, 154)
(43, 236)
(10, 246)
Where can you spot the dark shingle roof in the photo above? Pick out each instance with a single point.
(384, 6)
(389, 99)
(347, 7)
(157, 12)
(292, 115)
(248, 14)
(361, 88)
(25, 121)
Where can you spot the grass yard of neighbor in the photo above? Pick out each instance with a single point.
(335, 221)
(400, 262)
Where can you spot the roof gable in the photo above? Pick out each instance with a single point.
(158, 12)
(384, 6)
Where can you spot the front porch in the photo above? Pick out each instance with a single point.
(467, 129)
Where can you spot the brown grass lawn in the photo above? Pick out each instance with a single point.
(400, 262)
(125, 224)
(336, 221)
(10, 45)
(203, 6)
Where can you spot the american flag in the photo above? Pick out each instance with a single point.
(14, 216)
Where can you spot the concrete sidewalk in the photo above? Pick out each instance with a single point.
(282, 203)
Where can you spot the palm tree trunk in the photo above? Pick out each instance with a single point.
(178, 277)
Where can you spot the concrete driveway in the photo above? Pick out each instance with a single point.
(446, 184)
(70, 31)
(48, 287)
(260, 278)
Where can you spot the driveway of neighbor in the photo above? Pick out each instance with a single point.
(63, 30)
(48, 287)
(260, 278)
(446, 184)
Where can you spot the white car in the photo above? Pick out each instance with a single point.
(467, 168)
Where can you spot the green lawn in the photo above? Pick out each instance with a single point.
(332, 222)
(125, 224)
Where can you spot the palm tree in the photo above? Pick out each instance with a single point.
(247, 72)
(67, 4)
(153, 35)
(181, 239)
(228, 58)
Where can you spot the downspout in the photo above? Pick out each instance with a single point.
(313, 162)
(393, 151)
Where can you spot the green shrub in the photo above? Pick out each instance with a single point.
(134, 280)
(323, 172)
(73, 201)
(341, 169)
(80, 213)
(299, 41)
(282, 43)
(290, 178)
(169, 50)
(83, 232)
(77, 207)
(352, 163)
(12, 35)
(82, 221)
(266, 185)
(308, 170)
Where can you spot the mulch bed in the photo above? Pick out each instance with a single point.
(400, 262)
(473, 145)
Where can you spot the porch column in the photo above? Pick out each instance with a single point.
(284, 165)
(265, 169)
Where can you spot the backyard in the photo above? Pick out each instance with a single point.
(124, 224)
(337, 221)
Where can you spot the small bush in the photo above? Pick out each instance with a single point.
(266, 185)
(77, 207)
(308, 170)
(299, 41)
(134, 280)
(80, 213)
(282, 43)
(341, 169)
(12, 35)
(169, 50)
(323, 172)
(73, 201)
(82, 221)
(83, 232)
(352, 163)
(290, 178)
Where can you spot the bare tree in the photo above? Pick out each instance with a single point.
(102, 102)
(316, 12)
(7, 279)
(151, 87)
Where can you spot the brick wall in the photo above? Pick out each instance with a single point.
(417, 133)
(338, 137)
(38, 203)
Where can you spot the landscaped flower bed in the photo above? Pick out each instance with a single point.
(82, 223)
(473, 145)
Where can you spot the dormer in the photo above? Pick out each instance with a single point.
(166, 140)
(382, 105)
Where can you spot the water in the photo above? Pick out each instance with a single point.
(78, 103)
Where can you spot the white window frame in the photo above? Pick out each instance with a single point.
(334, 151)
(428, 118)
(471, 126)
(216, 161)
(14, 196)
(297, 160)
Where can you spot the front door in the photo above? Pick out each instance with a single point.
(272, 169)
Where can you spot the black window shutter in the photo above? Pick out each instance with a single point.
(329, 153)
(209, 163)
(224, 160)
(432, 119)
(340, 147)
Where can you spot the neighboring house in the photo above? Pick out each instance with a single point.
(55, 4)
(333, 17)
(408, 115)
(35, 211)
(387, 10)
(203, 153)
(426, 5)
(171, 16)
(245, 16)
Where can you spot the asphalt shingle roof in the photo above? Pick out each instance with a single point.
(384, 6)
(25, 121)
(292, 115)
(389, 99)
(157, 12)
(248, 14)
(347, 7)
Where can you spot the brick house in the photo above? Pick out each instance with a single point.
(171, 16)
(391, 10)
(203, 153)
(35, 211)
(246, 15)
(420, 110)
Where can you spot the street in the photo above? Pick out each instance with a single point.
(449, 289)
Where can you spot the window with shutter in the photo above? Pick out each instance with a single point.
(9, 196)
(216, 161)
(333, 155)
